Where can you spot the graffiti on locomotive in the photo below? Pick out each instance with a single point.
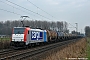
(36, 35)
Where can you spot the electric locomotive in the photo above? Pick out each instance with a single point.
(24, 36)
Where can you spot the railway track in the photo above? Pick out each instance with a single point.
(3, 50)
(22, 54)
(6, 51)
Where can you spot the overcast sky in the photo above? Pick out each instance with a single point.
(71, 11)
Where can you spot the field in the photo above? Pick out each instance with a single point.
(73, 50)
(5, 38)
(4, 43)
(76, 50)
(88, 48)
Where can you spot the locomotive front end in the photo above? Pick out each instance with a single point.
(18, 37)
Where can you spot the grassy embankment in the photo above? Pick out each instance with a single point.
(73, 50)
(88, 48)
(4, 43)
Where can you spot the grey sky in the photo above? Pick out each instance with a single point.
(71, 11)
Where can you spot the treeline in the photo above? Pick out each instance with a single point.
(6, 27)
(74, 32)
(87, 31)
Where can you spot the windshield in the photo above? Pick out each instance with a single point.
(19, 30)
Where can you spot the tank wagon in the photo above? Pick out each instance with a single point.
(26, 36)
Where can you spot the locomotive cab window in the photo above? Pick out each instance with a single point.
(19, 30)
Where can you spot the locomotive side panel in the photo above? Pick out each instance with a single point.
(37, 36)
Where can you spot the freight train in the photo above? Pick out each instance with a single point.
(26, 36)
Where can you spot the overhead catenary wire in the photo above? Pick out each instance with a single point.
(72, 26)
(40, 8)
(16, 8)
(10, 11)
(28, 9)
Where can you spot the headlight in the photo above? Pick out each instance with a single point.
(13, 39)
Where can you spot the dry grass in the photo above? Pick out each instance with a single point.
(88, 48)
(4, 44)
(75, 50)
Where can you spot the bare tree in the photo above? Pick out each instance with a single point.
(6, 27)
